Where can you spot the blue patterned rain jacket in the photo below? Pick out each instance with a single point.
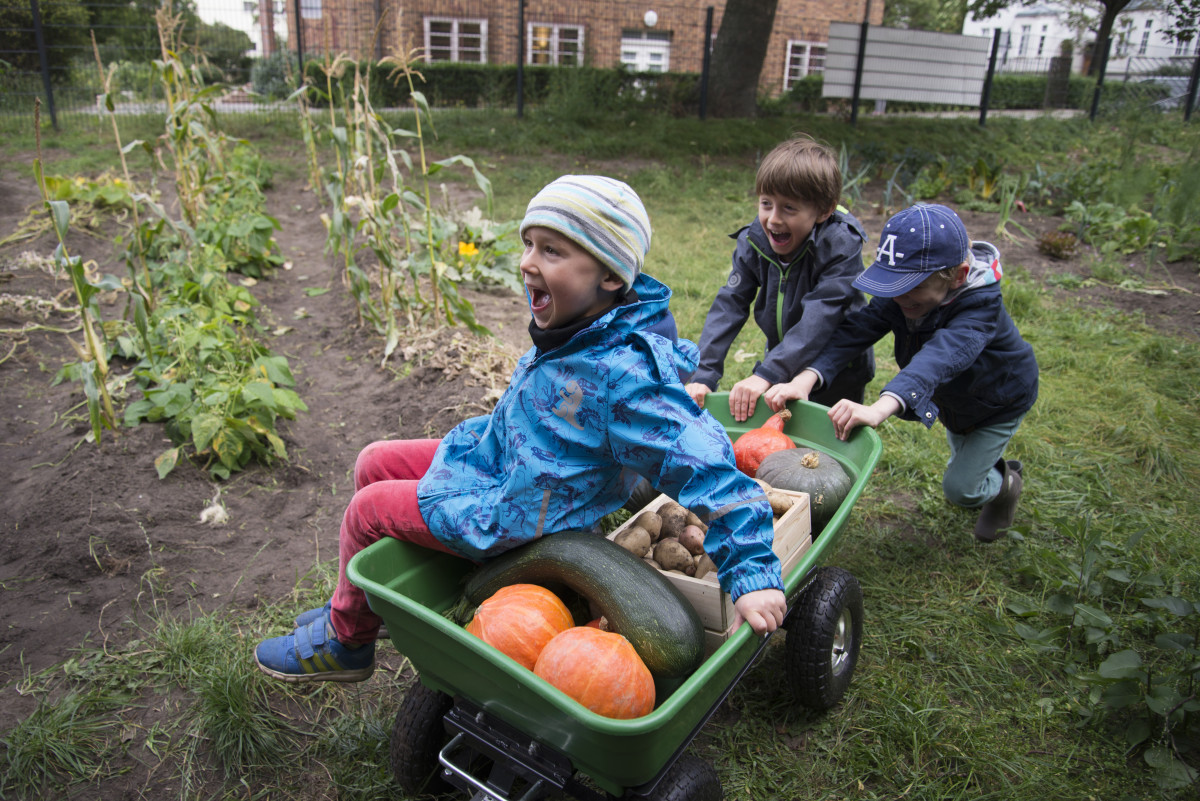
(575, 426)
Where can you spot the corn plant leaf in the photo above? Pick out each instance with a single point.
(165, 462)
(60, 213)
(91, 390)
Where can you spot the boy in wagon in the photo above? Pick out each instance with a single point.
(594, 403)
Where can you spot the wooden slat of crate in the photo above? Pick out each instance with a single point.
(793, 536)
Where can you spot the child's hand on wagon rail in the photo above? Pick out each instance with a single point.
(762, 609)
(848, 415)
(799, 388)
(744, 397)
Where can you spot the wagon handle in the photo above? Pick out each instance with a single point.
(488, 793)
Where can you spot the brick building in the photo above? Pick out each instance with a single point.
(645, 35)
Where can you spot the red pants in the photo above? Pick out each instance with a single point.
(384, 505)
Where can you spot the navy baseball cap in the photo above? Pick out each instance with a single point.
(915, 243)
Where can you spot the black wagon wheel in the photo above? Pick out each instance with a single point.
(417, 737)
(690, 778)
(824, 634)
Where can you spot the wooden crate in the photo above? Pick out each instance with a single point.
(793, 536)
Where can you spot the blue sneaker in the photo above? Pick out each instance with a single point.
(313, 653)
(304, 618)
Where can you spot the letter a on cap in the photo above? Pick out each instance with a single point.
(888, 248)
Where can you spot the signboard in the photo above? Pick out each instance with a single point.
(899, 64)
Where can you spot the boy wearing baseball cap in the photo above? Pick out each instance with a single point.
(961, 358)
(596, 402)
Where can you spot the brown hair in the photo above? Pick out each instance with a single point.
(802, 169)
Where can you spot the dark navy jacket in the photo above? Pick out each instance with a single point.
(965, 363)
(797, 305)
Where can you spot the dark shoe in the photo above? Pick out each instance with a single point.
(998, 513)
(313, 653)
(1015, 466)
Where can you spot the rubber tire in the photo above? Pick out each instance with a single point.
(824, 635)
(417, 737)
(689, 779)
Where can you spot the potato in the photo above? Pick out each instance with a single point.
(704, 565)
(693, 519)
(692, 538)
(634, 539)
(674, 519)
(673, 556)
(780, 502)
(651, 522)
(765, 486)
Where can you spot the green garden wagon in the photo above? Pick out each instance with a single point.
(487, 726)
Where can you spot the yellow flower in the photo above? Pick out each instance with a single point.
(467, 249)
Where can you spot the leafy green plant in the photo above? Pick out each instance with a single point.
(1060, 245)
(1129, 643)
(92, 368)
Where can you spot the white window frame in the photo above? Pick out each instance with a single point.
(805, 58)
(456, 39)
(553, 49)
(1023, 44)
(310, 9)
(642, 52)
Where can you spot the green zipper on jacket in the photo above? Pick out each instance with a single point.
(783, 272)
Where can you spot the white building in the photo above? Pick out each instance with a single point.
(1033, 34)
(242, 15)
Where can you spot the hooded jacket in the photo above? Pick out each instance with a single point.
(797, 305)
(964, 363)
(572, 431)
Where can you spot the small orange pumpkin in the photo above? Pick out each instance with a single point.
(756, 444)
(600, 670)
(518, 620)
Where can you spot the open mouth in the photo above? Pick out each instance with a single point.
(779, 237)
(538, 298)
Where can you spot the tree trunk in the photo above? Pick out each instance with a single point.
(1111, 9)
(737, 58)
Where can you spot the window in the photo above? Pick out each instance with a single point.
(310, 9)
(1145, 38)
(554, 44)
(456, 40)
(648, 51)
(249, 6)
(1023, 47)
(1042, 40)
(803, 58)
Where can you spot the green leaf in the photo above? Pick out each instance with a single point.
(1176, 606)
(1122, 665)
(61, 214)
(204, 428)
(1091, 616)
(314, 291)
(277, 445)
(259, 391)
(1021, 608)
(1122, 694)
(1163, 699)
(1175, 641)
(134, 412)
(1169, 773)
(1137, 732)
(166, 461)
(1061, 605)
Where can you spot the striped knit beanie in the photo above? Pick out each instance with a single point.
(602, 215)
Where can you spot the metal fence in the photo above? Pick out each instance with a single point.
(53, 49)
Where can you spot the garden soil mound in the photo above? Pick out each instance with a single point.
(91, 540)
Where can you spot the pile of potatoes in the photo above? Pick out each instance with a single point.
(671, 539)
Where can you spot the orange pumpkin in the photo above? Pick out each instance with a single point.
(518, 620)
(756, 444)
(600, 670)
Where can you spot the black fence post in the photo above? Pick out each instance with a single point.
(858, 67)
(45, 62)
(707, 62)
(1100, 68)
(300, 48)
(1190, 103)
(986, 98)
(520, 59)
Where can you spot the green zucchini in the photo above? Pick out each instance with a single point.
(639, 602)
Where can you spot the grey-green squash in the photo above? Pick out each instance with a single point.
(808, 470)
